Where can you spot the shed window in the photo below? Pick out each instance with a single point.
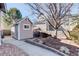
(26, 26)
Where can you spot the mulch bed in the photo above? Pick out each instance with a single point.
(55, 43)
(11, 50)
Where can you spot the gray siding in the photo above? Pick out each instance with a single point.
(24, 34)
(20, 33)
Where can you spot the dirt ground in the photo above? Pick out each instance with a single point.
(57, 43)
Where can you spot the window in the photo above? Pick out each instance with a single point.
(26, 27)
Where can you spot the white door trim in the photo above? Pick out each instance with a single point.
(18, 31)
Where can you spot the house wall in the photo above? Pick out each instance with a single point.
(41, 26)
(25, 33)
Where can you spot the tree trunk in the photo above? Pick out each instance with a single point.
(65, 34)
(56, 33)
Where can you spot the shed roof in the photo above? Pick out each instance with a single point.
(20, 20)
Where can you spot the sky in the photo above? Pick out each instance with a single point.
(26, 11)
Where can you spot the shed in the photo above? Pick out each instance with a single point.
(22, 29)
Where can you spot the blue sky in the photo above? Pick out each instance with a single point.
(25, 10)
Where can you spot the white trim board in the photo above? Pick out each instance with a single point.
(18, 31)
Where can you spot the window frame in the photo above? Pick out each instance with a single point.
(26, 25)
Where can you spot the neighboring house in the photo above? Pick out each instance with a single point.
(2, 6)
(2, 10)
(41, 24)
(45, 26)
(22, 29)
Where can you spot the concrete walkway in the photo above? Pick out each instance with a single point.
(32, 50)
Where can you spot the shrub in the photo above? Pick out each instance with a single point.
(44, 35)
(64, 49)
(74, 34)
(76, 28)
(6, 32)
(40, 34)
(36, 34)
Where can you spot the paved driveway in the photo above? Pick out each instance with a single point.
(32, 50)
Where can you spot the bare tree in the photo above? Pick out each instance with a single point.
(53, 13)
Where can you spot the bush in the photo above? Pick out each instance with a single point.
(6, 32)
(40, 34)
(76, 28)
(74, 34)
(36, 34)
(44, 35)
